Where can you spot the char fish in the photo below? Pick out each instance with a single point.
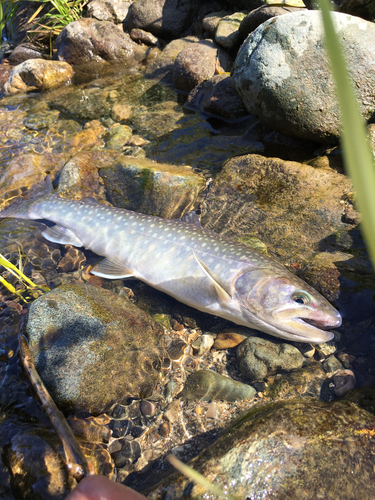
(194, 265)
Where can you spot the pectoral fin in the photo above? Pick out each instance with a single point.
(113, 269)
(59, 234)
(223, 294)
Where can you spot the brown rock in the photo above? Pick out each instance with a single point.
(257, 16)
(121, 112)
(166, 19)
(89, 40)
(227, 340)
(291, 207)
(194, 64)
(37, 74)
(217, 96)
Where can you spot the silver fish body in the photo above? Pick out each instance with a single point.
(196, 266)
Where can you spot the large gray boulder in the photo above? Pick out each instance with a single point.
(283, 76)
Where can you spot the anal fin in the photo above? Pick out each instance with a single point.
(59, 234)
(112, 268)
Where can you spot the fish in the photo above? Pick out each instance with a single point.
(196, 266)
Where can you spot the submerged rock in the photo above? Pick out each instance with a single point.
(151, 188)
(292, 449)
(37, 74)
(259, 358)
(36, 459)
(93, 348)
(292, 207)
(206, 385)
(283, 75)
(308, 381)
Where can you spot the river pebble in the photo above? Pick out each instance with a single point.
(259, 358)
(206, 385)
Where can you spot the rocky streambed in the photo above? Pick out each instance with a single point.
(157, 107)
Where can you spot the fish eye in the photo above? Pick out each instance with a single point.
(301, 298)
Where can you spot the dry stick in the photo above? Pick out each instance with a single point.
(74, 458)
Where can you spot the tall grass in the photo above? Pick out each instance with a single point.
(358, 156)
(57, 15)
(8, 9)
(60, 14)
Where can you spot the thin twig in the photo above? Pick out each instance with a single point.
(74, 458)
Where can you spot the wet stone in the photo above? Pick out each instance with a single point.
(308, 381)
(164, 429)
(151, 188)
(309, 438)
(137, 431)
(206, 385)
(148, 408)
(129, 453)
(120, 428)
(93, 348)
(228, 339)
(73, 259)
(177, 349)
(344, 381)
(203, 344)
(259, 357)
(332, 364)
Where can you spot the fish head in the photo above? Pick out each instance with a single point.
(285, 306)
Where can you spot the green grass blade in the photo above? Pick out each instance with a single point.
(15, 271)
(198, 478)
(358, 156)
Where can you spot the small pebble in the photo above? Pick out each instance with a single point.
(148, 408)
(114, 446)
(203, 344)
(227, 340)
(326, 349)
(212, 411)
(344, 381)
(165, 429)
(173, 412)
(177, 327)
(307, 350)
(332, 364)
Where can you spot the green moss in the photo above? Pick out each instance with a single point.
(147, 179)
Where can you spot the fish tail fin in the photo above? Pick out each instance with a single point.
(21, 206)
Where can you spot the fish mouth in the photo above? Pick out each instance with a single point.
(321, 325)
(316, 331)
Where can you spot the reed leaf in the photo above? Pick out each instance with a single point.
(358, 156)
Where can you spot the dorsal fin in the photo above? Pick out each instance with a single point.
(90, 199)
(191, 218)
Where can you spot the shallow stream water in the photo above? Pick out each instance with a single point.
(40, 133)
